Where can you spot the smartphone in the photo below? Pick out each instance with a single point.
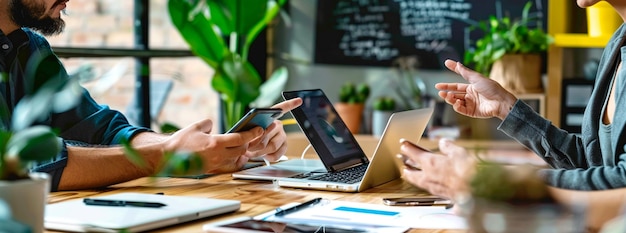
(256, 117)
(249, 225)
(417, 201)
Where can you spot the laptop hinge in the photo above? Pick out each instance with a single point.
(348, 164)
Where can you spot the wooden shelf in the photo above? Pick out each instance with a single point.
(571, 40)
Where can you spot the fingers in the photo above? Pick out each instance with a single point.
(288, 105)
(425, 181)
(270, 133)
(468, 74)
(240, 138)
(273, 145)
(204, 126)
(451, 65)
(277, 154)
(452, 87)
(448, 147)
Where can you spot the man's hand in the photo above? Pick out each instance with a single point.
(229, 152)
(273, 143)
(219, 152)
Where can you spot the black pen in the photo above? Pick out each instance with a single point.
(281, 212)
(102, 202)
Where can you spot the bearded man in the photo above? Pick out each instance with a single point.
(84, 162)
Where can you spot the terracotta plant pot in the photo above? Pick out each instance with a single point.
(27, 199)
(518, 73)
(351, 114)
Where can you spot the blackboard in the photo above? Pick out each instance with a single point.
(375, 32)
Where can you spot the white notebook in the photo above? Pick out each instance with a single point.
(77, 216)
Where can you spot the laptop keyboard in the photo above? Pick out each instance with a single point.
(349, 176)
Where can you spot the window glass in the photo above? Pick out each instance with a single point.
(190, 98)
(109, 24)
(97, 23)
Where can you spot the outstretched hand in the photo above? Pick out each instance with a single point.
(481, 98)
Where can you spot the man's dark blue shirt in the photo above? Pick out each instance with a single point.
(88, 123)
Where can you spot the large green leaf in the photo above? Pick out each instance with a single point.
(197, 30)
(220, 15)
(273, 9)
(271, 89)
(37, 143)
(237, 80)
(206, 25)
(49, 90)
(182, 163)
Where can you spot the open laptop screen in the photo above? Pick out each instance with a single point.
(325, 130)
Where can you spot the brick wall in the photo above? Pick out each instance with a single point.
(109, 23)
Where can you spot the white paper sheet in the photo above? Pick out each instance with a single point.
(422, 217)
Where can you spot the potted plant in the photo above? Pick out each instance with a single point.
(409, 87)
(351, 104)
(517, 199)
(383, 107)
(23, 142)
(220, 32)
(509, 51)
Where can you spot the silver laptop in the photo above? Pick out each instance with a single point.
(348, 169)
(77, 216)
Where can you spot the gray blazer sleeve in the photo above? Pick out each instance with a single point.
(576, 165)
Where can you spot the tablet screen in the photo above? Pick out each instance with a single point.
(265, 226)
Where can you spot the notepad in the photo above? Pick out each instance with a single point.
(76, 216)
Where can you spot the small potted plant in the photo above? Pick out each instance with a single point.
(509, 52)
(23, 142)
(518, 198)
(351, 104)
(383, 107)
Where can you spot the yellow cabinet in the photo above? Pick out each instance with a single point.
(559, 20)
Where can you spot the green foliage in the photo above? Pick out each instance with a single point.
(352, 93)
(206, 26)
(514, 184)
(175, 163)
(168, 128)
(409, 87)
(22, 141)
(385, 103)
(182, 164)
(506, 36)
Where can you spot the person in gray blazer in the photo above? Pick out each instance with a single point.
(593, 160)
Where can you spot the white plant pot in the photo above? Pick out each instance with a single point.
(379, 121)
(27, 199)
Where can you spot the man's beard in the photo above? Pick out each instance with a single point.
(31, 16)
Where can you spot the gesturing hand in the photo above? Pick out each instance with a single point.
(481, 98)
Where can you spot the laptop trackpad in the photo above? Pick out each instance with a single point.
(303, 165)
(287, 168)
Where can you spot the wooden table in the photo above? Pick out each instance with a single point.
(260, 196)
